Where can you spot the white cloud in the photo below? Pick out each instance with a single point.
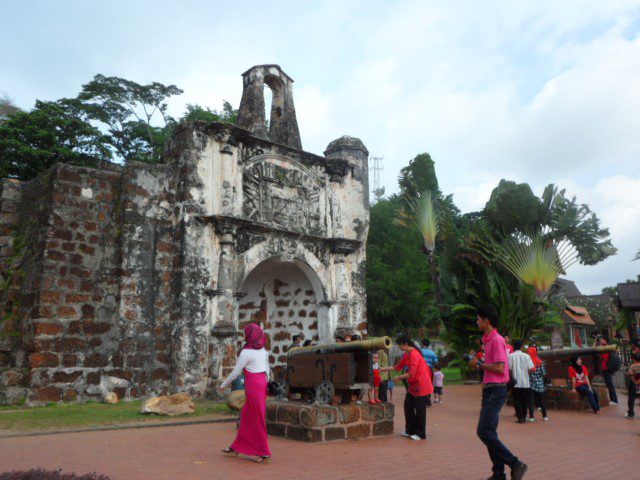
(537, 91)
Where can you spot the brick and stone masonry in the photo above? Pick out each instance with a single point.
(136, 279)
(316, 423)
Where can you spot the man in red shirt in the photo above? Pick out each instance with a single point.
(606, 374)
(420, 386)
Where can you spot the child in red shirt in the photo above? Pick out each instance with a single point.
(579, 376)
(377, 380)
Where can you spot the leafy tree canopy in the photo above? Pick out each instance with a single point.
(112, 118)
(31, 142)
(397, 273)
(419, 176)
(514, 209)
(7, 107)
(196, 112)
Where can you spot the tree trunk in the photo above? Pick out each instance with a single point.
(435, 280)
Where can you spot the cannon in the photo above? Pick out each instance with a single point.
(323, 371)
(557, 361)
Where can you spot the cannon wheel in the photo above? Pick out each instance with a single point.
(325, 392)
(282, 389)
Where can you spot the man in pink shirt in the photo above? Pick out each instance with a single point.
(494, 394)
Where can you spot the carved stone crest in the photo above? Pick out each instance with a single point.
(285, 248)
(287, 198)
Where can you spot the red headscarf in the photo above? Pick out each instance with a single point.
(254, 337)
(533, 353)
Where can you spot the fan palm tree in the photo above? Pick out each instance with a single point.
(534, 260)
(421, 213)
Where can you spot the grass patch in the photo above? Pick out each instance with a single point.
(452, 376)
(62, 416)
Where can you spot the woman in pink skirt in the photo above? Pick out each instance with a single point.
(254, 363)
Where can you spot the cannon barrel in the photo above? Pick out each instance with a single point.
(577, 351)
(370, 344)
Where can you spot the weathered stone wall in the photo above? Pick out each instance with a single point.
(281, 298)
(138, 279)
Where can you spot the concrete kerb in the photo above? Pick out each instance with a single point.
(99, 428)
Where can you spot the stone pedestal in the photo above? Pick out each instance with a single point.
(560, 398)
(317, 424)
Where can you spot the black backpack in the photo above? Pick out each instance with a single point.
(613, 364)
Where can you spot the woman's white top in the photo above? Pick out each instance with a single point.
(255, 361)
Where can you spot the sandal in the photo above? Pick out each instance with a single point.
(229, 450)
(261, 459)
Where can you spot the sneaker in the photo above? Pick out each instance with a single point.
(546, 419)
(415, 437)
(405, 434)
(531, 420)
(613, 403)
(518, 471)
(630, 417)
(539, 409)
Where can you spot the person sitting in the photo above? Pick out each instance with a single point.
(296, 341)
(580, 383)
(355, 337)
(307, 343)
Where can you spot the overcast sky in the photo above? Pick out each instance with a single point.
(539, 91)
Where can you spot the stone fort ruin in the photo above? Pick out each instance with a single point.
(137, 278)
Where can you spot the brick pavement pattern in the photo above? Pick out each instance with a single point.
(572, 445)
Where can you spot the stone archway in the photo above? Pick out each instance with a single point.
(282, 297)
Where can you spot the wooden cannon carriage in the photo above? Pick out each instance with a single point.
(323, 371)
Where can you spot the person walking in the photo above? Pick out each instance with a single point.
(419, 381)
(494, 394)
(254, 362)
(520, 365)
(633, 385)
(431, 358)
(580, 382)
(536, 379)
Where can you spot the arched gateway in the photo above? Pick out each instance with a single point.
(169, 261)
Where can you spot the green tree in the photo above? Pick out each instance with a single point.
(7, 107)
(31, 142)
(397, 275)
(419, 176)
(196, 112)
(134, 115)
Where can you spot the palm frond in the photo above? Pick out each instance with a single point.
(422, 213)
(535, 261)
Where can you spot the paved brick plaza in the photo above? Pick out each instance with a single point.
(570, 446)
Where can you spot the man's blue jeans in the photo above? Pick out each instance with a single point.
(492, 400)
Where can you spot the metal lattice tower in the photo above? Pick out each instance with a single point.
(377, 167)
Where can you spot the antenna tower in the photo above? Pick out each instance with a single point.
(377, 167)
